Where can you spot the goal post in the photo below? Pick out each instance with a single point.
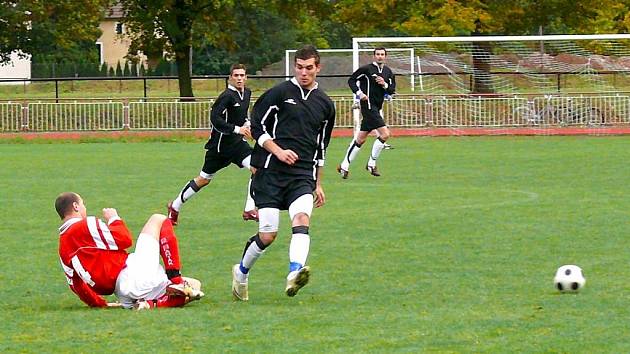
(511, 64)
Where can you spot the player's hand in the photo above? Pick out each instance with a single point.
(363, 97)
(114, 305)
(287, 156)
(320, 197)
(109, 213)
(246, 132)
(379, 80)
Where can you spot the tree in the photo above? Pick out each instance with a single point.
(170, 25)
(54, 30)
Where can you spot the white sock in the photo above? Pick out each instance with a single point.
(377, 147)
(253, 251)
(298, 250)
(186, 193)
(249, 202)
(351, 154)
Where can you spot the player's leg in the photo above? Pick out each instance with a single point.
(213, 163)
(269, 219)
(268, 192)
(300, 211)
(243, 160)
(377, 148)
(351, 153)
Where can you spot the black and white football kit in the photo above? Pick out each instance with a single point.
(226, 145)
(364, 80)
(296, 119)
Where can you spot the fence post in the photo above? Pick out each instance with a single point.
(56, 91)
(558, 81)
(126, 123)
(25, 115)
(144, 80)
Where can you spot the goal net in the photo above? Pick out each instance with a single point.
(511, 64)
(553, 81)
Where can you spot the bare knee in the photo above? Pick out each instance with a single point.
(267, 238)
(153, 225)
(201, 182)
(301, 219)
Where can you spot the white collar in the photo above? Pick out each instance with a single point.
(380, 69)
(240, 94)
(68, 223)
(304, 97)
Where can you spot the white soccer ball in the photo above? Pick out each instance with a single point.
(569, 279)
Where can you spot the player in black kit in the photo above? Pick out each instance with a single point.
(370, 83)
(226, 144)
(291, 124)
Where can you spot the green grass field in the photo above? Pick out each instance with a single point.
(452, 250)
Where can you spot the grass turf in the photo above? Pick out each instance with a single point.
(452, 250)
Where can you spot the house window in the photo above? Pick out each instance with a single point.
(119, 28)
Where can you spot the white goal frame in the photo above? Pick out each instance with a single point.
(412, 54)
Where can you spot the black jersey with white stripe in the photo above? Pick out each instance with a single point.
(363, 79)
(228, 111)
(297, 119)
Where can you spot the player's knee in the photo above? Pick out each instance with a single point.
(301, 219)
(157, 218)
(267, 238)
(202, 181)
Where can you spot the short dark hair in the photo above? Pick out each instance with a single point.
(63, 203)
(307, 52)
(380, 48)
(237, 66)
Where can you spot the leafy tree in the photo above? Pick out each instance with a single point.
(50, 30)
(171, 25)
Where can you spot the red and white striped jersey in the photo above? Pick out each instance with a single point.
(92, 255)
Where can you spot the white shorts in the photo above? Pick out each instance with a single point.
(143, 277)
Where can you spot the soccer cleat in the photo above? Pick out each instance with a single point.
(373, 170)
(296, 280)
(184, 289)
(239, 290)
(172, 213)
(386, 146)
(344, 174)
(250, 215)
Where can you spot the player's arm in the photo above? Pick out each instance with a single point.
(117, 227)
(353, 82)
(85, 293)
(391, 84)
(325, 133)
(218, 116)
(262, 124)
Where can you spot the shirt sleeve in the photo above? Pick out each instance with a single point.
(352, 81)
(263, 116)
(121, 234)
(325, 133)
(391, 88)
(85, 293)
(218, 115)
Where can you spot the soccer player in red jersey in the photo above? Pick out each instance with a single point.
(94, 258)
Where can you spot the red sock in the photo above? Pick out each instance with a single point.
(170, 301)
(170, 252)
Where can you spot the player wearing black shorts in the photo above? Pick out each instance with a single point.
(226, 144)
(291, 123)
(370, 83)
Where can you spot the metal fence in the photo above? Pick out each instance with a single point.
(403, 111)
